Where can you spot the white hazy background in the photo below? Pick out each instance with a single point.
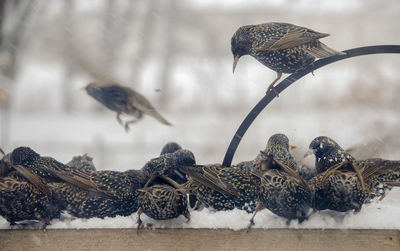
(177, 54)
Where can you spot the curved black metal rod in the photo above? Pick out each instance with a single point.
(270, 95)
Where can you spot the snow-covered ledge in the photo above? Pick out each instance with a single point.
(200, 239)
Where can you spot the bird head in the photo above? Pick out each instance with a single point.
(23, 156)
(278, 141)
(240, 44)
(322, 146)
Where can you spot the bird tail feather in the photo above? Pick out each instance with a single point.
(155, 114)
(323, 51)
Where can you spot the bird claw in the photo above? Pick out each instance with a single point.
(271, 88)
(126, 128)
(251, 224)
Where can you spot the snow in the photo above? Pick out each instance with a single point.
(377, 215)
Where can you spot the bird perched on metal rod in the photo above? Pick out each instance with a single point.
(282, 47)
(124, 100)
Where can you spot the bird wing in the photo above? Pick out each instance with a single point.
(293, 173)
(294, 36)
(33, 178)
(209, 177)
(377, 166)
(82, 180)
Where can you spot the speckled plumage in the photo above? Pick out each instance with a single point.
(283, 191)
(20, 200)
(282, 47)
(167, 163)
(223, 188)
(124, 100)
(327, 153)
(161, 199)
(24, 196)
(84, 193)
(344, 183)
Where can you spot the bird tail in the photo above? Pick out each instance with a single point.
(320, 50)
(155, 114)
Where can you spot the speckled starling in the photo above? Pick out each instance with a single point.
(282, 47)
(327, 153)
(283, 191)
(20, 200)
(344, 183)
(162, 199)
(124, 100)
(24, 196)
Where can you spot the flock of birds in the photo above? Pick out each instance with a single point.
(33, 187)
(37, 188)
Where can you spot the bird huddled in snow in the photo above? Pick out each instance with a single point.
(162, 199)
(282, 47)
(124, 100)
(24, 196)
(343, 183)
(283, 191)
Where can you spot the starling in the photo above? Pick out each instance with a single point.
(283, 191)
(222, 188)
(20, 200)
(344, 183)
(24, 196)
(162, 199)
(282, 47)
(124, 100)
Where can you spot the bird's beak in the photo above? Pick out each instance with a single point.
(308, 153)
(293, 147)
(82, 88)
(235, 60)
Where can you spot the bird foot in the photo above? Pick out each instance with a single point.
(139, 221)
(126, 127)
(250, 224)
(271, 88)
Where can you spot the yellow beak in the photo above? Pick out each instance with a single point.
(235, 60)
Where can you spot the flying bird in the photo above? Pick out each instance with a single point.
(124, 100)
